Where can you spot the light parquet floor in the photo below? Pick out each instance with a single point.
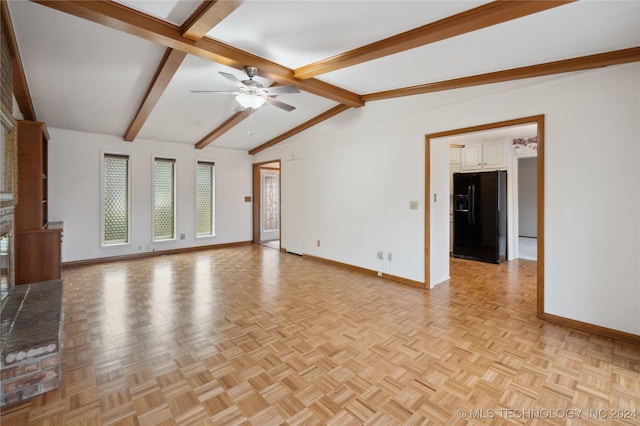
(252, 336)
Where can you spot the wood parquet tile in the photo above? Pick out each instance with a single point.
(252, 336)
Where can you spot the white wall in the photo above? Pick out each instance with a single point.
(527, 202)
(352, 202)
(292, 202)
(364, 166)
(74, 192)
(439, 213)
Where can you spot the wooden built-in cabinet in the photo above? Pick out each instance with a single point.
(37, 245)
(38, 256)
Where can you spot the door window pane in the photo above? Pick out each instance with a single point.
(271, 197)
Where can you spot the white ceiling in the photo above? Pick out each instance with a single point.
(85, 76)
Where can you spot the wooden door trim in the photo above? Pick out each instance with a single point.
(539, 121)
(257, 199)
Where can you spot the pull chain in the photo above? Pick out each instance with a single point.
(249, 132)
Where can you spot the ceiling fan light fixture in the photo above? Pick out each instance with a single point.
(249, 100)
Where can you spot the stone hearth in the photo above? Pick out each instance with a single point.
(31, 341)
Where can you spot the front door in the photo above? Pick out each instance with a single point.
(270, 204)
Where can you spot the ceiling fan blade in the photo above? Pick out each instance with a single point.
(282, 90)
(280, 105)
(232, 78)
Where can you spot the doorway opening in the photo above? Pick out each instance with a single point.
(526, 205)
(437, 241)
(266, 204)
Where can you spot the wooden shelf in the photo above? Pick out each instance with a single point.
(38, 248)
(32, 171)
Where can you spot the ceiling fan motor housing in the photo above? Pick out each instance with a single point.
(250, 71)
(252, 86)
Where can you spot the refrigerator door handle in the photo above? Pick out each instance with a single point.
(472, 204)
(469, 205)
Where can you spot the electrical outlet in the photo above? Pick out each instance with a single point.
(381, 255)
(182, 236)
(318, 243)
(389, 257)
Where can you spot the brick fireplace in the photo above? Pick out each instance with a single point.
(30, 328)
(30, 315)
(7, 276)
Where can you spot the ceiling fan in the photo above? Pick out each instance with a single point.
(252, 94)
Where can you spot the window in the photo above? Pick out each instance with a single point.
(115, 202)
(205, 199)
(164, 199)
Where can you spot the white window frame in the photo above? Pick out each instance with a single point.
(103, 178)
(213, 199)
(153, 198)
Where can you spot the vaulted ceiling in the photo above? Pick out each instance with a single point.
(128, 68)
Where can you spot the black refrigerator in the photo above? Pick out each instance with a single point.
(480, 216)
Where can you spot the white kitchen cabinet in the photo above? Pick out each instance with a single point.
(454, 155)
(489, 155)
(472, 157)
(494, 155)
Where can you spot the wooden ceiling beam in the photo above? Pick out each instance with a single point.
(568, 65)
(120, 17)
(19, 81)
(208, 15)
(581, 63)
(471, 20)
(165, 72)
(228, 124)
(304, 126)
(194, 28)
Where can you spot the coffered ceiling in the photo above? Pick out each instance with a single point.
(127, 68)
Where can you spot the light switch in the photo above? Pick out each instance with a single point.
(413, 205)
